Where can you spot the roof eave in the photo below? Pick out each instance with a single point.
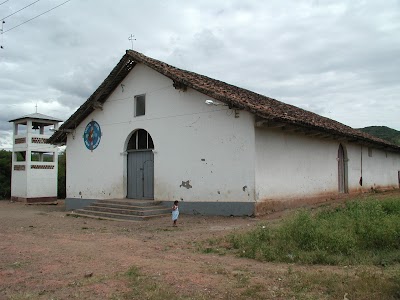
(118, 73)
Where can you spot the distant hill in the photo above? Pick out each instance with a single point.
(384, 133)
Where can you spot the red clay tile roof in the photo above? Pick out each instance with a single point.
(263, 107)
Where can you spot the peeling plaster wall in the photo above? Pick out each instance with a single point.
(290, 166)
(202, 153)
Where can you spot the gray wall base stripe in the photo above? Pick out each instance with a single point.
(77, 203)
(215, 208)
(190, 208)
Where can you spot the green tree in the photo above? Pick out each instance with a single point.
(383, 132)
(5, 174)
(61, 192)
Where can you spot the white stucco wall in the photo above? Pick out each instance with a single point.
(42, 183)
(290, 166)
(193, 141)
(378, 171)
(19, 183)
(30, 182)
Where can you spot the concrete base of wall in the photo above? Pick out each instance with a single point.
(36, 200)
(214, 208)
(77, 203)
(190, 208)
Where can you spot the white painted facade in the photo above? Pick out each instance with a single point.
(292, 166)
(222, 154)
(33, 181)
(205, 145)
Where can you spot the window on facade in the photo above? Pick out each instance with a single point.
(42, 156)
(369, 151)
(19, 128)
(140, 140)
(20, 156)
(140, 105)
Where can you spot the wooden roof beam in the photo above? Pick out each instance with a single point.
(180, 86)
(97, 105)
(273, 125)
(268, 123)
(313, 134)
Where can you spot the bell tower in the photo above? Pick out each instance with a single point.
(34, 161)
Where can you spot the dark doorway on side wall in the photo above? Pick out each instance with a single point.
(342, 170)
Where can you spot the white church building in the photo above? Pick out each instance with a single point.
(153, 131)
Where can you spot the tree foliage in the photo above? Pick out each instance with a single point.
(61, 188)
(5, 174)
(383, 132)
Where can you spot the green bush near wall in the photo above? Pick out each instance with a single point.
(61, 187)
(360, 232)
(5, 174)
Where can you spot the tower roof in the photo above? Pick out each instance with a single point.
(37, 116)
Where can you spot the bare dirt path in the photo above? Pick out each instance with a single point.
(46, 255)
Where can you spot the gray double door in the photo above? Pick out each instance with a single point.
(141, 175)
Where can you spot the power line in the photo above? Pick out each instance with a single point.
(19, 10)
(36, 16)
(4, 2)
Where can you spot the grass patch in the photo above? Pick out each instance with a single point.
(147, 287)
(16, 265)
(211, 246)
(359, 232)
(361, 285)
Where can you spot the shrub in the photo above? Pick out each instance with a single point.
(360, 231)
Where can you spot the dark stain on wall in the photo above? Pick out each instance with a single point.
(186, 184)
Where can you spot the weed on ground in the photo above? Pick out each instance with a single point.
(357, 233)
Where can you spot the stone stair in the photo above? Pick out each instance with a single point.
(123, 209)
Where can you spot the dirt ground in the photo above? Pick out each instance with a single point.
(45, 254)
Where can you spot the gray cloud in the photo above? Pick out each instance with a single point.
(338, 59)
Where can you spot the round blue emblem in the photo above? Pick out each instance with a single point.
(92, 135)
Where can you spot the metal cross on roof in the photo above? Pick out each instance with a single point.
(132, 38)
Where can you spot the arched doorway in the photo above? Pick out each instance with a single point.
(140, 166)
(342, 169)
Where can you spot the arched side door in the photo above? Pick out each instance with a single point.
(342, 170)
(140, 166)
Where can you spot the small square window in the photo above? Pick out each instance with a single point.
(369, 151)
(20, 156)
(140, 105)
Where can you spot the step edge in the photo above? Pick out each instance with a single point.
(101, 217)
(100, 212)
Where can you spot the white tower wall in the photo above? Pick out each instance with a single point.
(34, 161)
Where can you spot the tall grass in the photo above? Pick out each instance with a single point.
(360, 232)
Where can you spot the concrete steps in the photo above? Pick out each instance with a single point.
(123, 210)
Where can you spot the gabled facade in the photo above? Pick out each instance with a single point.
(153, 131)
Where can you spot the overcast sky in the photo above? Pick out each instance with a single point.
(340, 59)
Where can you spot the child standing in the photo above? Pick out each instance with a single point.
(175, 212)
